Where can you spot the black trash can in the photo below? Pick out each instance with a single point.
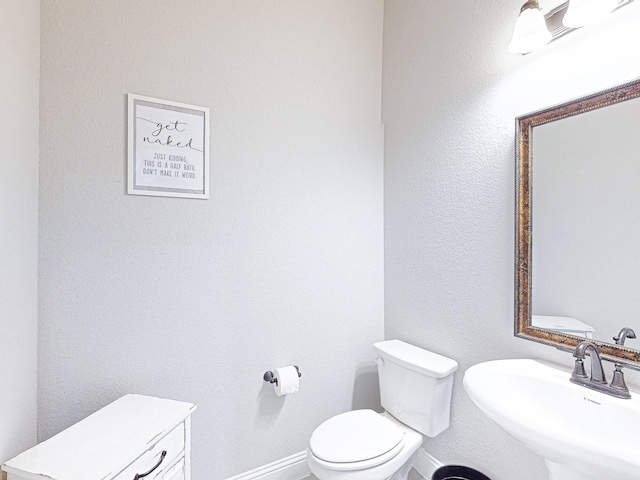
(458, 472)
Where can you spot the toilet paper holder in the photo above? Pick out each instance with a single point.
(269, 377)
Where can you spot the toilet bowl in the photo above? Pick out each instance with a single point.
(415, 391)
(374, 449)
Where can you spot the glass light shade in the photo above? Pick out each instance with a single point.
(530, 32)
(584, 12)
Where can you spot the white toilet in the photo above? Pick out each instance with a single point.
(415, 391)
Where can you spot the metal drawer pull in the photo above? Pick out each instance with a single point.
(141, 475)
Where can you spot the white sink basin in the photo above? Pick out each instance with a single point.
(582, 434)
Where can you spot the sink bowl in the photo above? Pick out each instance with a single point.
(582, 434)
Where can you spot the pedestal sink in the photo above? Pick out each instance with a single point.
(581, 433)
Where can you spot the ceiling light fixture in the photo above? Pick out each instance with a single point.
(584, 12)
(535, 28)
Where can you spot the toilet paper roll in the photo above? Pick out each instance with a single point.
(287, 380)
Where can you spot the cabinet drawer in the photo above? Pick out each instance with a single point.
(172, 443)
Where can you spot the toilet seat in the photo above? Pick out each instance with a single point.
(355, 440)
(383, 467)
(358, 466)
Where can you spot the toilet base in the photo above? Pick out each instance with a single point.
(323, 474)
(403, 473)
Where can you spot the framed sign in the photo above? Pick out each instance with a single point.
(168, 148)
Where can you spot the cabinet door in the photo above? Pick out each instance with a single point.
(176, 472)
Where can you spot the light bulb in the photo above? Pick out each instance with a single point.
(530, 31)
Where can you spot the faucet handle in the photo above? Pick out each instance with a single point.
(578, 369)
(618, 382)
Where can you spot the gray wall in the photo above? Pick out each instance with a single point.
(19, 83)
(192, 299)
(451, 92)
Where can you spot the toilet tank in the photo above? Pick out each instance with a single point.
(415, 385)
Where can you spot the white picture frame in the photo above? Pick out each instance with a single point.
(168, 148)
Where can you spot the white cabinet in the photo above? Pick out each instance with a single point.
(134, 438)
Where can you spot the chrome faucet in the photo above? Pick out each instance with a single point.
(625, 333)
(597, 381)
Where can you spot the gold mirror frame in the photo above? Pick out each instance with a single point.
(524, 152)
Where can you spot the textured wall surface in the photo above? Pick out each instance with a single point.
(451, 92)
(19, 84)
(194, 300)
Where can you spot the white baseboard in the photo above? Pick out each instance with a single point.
(425, 464)
(293, 467)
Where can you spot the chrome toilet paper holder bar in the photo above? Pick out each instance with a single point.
(270, 377)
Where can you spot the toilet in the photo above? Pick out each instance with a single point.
(415, 392)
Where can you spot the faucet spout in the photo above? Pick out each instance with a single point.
(597, 372)
(625, 333)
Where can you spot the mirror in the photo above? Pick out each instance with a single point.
(577, 237)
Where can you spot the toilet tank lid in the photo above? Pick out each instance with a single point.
(416, 358)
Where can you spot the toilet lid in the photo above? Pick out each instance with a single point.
(354, 436)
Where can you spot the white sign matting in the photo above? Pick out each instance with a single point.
(168, 148)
